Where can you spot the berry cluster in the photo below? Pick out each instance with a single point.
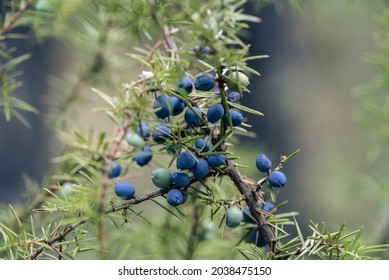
(189, 122)
(276, 178)
(198, 156)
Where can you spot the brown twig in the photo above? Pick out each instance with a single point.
(167, 32)
(149, 196)
(8, 26)
(57, 238)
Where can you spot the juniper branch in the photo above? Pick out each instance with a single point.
(57, 238)
(138, 200)
(250, 194)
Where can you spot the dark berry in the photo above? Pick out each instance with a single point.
(195, 49)
(200, 170)
(124, 190)
(186, 160)
(177, 105)
(263, 163)
(174, 197)
(143, 156)
(202, 145)
(184, 197)
(268, 206)
(162, 106)
(161, 134)
(236, 118)
(246, 216)
(216, 160)
(277, 179)
(181, 180)
(204, 82)
(215, 112)
(205, 50)
(257, 238)
(115, 170)
(186, 84)
(233, 97)
(190, 117)
(145, 131)
(217, 91)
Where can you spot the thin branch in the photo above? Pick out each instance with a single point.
(57, 238)
(138, 200)
(9, 25)
(103, 190)
(167, 32)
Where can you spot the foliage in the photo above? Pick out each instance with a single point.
(374, 97)
(77, 215)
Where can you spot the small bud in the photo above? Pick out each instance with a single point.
(146, 75)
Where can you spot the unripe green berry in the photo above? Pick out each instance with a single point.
(207, 230)
(135, 140)
(161, 177)
(234, 217)
(43, 5)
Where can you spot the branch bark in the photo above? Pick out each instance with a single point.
(263, 227)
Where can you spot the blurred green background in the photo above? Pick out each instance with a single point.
(308, 95)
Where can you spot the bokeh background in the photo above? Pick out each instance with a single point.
(307, 92)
